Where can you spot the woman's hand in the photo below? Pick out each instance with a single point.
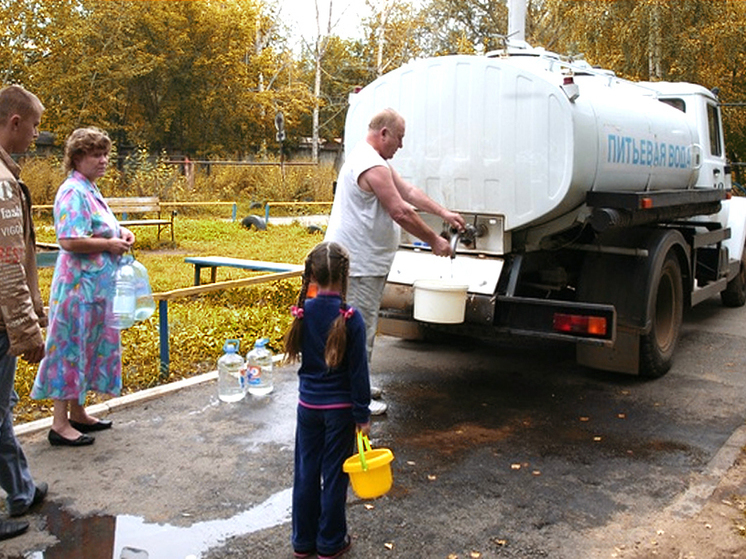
(127, 235)
(118, 246)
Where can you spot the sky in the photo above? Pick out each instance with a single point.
(346, 16)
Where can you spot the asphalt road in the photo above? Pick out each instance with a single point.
(502, 450)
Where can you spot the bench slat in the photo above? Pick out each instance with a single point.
(145, 222)
(141, 204)
(214, 262)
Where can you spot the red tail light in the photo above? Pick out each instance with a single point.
(580, 324)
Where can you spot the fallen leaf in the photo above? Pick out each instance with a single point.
(389, 546)
(452, 556)
(411, 462)
(597, 439)
(369, 506)
(536, 473)
(475, 554)
(622, 415)
(501, 542)
(660, 532)
(585, 418)
(515, 466)
(432, 477)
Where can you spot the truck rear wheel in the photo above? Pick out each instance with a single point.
(734, 295)
(667, 298)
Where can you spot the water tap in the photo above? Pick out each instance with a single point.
(467, 236)
(455, 236)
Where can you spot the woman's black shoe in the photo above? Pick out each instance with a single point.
(12, 528)
(55, 439)
(100, 425)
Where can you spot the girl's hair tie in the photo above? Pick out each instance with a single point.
(347, 313)
(297, 312)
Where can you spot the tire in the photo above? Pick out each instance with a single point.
(254, 220)
(667, 298)
(734, 295)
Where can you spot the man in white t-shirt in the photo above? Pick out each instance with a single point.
(371, 202)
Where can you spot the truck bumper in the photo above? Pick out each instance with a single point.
(487, 315)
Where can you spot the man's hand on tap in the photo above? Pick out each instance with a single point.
(455, 220)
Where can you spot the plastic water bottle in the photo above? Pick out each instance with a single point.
(259, 369)
(144, 302)
(122, 313)
(230, 373)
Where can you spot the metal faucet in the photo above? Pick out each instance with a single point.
(468, 234)
(455, 236)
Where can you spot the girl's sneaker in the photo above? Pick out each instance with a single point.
(345, 548)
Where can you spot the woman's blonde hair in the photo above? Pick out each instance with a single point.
(328, 264)
(84, 141)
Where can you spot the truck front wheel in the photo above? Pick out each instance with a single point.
(667, 297)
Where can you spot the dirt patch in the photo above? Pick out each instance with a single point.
(717, 531)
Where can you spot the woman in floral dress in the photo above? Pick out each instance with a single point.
(82, 352)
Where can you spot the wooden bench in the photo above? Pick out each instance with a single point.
(46, 254)
(142, 205)
(214, 262)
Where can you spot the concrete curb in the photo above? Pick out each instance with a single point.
(702, 488)
(122, 401)
(132, 399)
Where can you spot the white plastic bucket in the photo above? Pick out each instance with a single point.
(439, 301)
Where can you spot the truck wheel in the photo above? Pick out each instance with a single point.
(734, 294)
(667, 296)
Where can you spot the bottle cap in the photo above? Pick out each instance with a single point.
(230, 346)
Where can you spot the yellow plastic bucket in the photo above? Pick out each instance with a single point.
(369, 469)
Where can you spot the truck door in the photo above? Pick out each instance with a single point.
(712, 172)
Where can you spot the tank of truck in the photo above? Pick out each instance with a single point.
(504, 135)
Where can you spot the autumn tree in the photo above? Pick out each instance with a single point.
(201, 77)
(463, 26)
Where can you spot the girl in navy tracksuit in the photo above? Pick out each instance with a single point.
(328, 337)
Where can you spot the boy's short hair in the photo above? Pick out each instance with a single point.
(15, 100)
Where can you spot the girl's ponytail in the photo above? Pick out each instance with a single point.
(294, 335)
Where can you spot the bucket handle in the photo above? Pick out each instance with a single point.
(363, 444)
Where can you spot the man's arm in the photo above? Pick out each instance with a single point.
(16, 303)
(423, 202)
(380, 181)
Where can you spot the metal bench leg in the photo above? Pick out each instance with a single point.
(213, 274)
(163, 328)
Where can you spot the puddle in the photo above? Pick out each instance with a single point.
(130, 537)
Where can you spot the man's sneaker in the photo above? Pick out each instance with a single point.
(376, 392)
(377, 407)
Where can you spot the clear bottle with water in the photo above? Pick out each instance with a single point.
(259, 369)
(144, 302)
(122, 314)
(230, 373)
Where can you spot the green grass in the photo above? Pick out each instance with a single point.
(198, 325)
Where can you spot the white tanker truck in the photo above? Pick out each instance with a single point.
(598, 208)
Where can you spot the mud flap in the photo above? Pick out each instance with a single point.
(623, 357)
(404, 329)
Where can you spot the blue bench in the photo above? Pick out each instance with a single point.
(215, 262)
(47, 256)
